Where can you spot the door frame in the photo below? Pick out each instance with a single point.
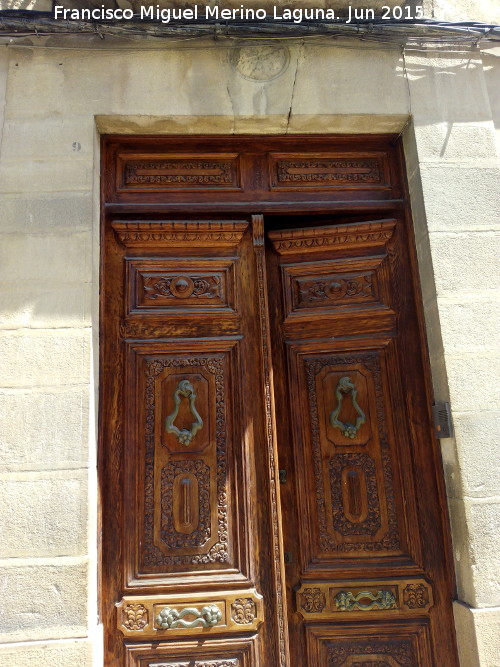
(398, 201)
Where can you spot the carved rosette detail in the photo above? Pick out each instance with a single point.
(182, 287)
(416, 596)
(400, 651)
(243, 611)
(135, 617)
(219, 552)
(333, 289)
(328, 170)
(390, 540)
(312, 600)
(181, 172)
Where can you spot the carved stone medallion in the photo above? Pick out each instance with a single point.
(260, 62)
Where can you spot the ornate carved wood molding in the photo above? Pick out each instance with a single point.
(160, 617)
(179, 172)
(265, 341)
(356, 235)
(323, 170)
(325, 600)
(180, 234)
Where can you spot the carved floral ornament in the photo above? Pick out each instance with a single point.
(416, 596)
(313, 600)
(182, 287)
(335, 288)
(135, 616)
(243, 611)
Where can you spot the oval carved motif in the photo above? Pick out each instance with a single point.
(186, 501)
(354, 498)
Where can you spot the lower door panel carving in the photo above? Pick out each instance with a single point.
(208, 653)
(366, 645)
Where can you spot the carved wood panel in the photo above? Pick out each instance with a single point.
(347, 600)
(181, 286)
(228, 651)
(334, 287)
(164, 173)
(180, 234)
(398, 644)
(161, 617)
(351, 237)
(321, 170)
(355, 510)
(248, 169)
(184, 400)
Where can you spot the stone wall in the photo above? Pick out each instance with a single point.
(454, 154)
(57, 101)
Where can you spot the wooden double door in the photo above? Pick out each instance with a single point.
(272, 493)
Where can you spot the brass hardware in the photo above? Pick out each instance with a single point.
(186, 389)
(347, 601)
(206, 618)
(346, 386)
(324, 600)
(443, 425)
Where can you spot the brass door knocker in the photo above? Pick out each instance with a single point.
(346, 386)
(184, 436)
(208, 617)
